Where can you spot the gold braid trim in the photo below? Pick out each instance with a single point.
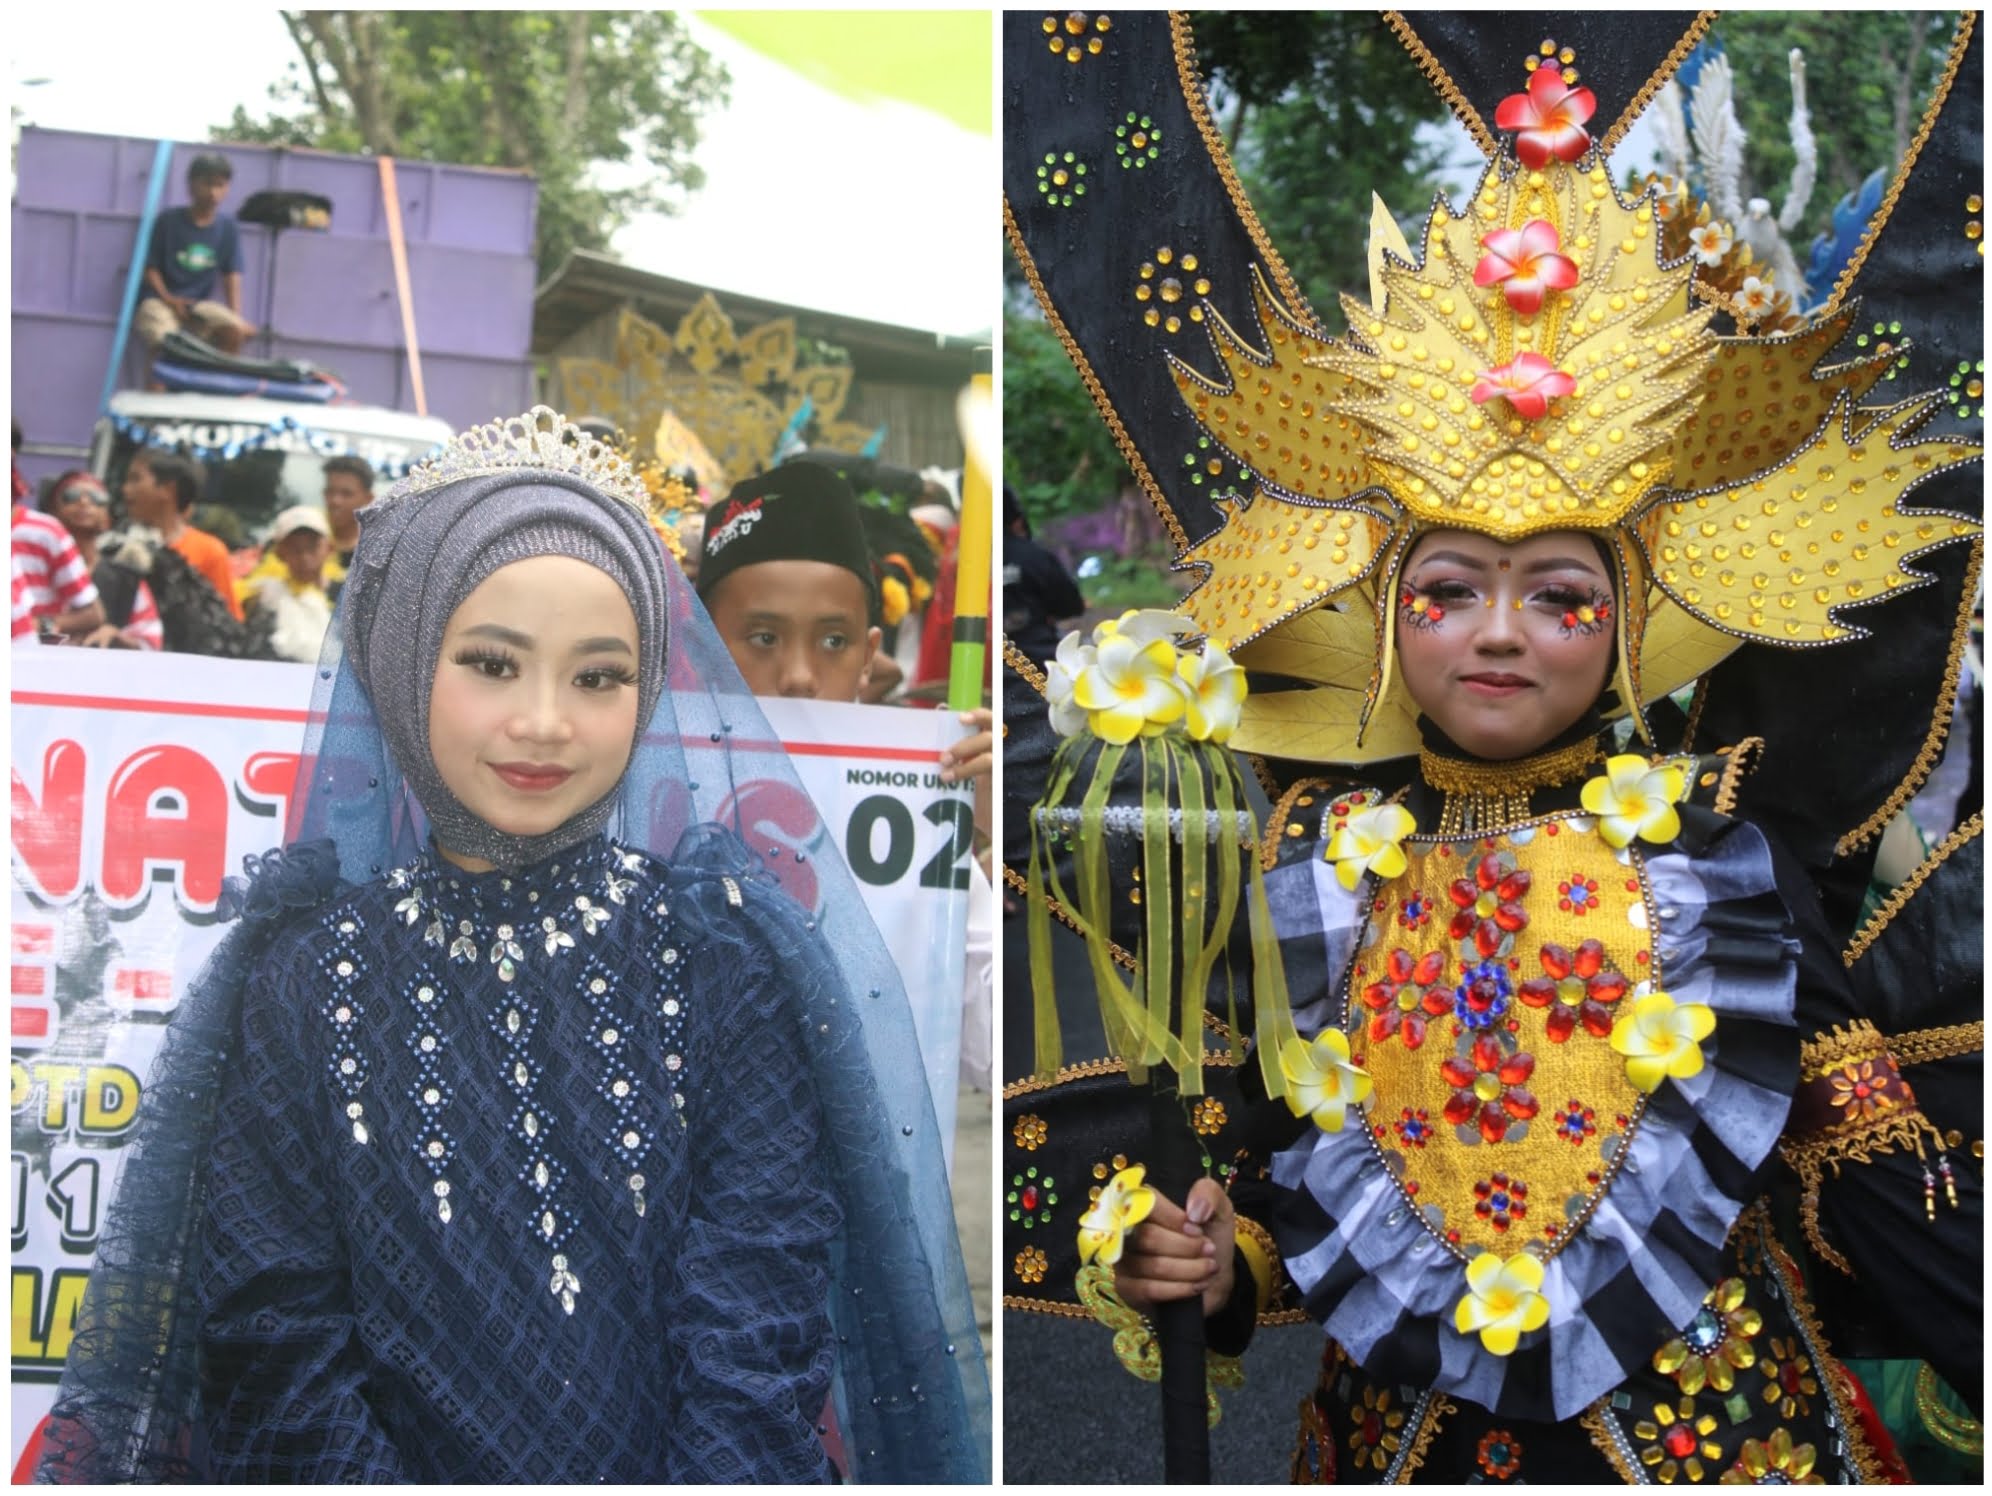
(1262, 1256)
(1594, 1422)
(1789, 1280)
(1136, 463)
(1018, 882)
(1836, 1047)
(1827, 1067)
(1742, 760)
(1276, 1319)
(1857, 1143)
(1906, 890)
(1439, 1408)
(1263, 772)
(1436, 74)
(1921, 1046)
(1045, 1306)
(1688, 42)
(1482, 796)
(1220, 157)
(1695, 705)
(1086, 1069)
(1933, 742)
(1024, 665)
(1955, 1431)
(1279, 820)
(1960, 40)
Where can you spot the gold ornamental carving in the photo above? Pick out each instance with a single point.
(737, 392)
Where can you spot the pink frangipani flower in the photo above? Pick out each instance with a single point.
(1525, 264)
(1527, 382)
(1548, 119)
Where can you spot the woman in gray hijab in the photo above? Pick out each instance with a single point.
(536, 1132)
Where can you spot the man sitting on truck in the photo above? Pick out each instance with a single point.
(159, 492)
(195, 249)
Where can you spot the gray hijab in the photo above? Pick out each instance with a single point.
(419, 556)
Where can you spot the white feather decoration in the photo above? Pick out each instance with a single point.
(1671, 126)
(1805, 170)
(1719, 137)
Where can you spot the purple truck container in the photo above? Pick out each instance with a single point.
(323, 295)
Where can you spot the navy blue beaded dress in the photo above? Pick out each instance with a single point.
(482, 1208)
(614, 1166)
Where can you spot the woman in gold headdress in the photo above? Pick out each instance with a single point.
(1558, 1011)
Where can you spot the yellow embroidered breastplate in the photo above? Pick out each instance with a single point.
(1481, 1003)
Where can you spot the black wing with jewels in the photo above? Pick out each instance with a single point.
(1123, 207)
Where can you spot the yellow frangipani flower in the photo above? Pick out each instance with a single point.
(1130, 688)
(1124, 1203)
(1504, 1301)
(1633, 798)
(1320, 1080)
(1368, 842)
(1661, 1037)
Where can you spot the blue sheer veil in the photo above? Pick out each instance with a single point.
(709, 787)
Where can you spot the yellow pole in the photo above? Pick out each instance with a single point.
(976, 410)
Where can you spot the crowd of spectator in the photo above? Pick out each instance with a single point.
(159, 581)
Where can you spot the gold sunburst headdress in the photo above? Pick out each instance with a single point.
(1538, 365)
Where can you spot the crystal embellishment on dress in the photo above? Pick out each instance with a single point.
(564, 1285)
(486, 938)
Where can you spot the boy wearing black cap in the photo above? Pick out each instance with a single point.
(787, 578)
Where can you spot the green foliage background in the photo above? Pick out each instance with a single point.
(550, 92)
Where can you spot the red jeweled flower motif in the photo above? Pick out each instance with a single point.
(1548, 120)
(1416, 911)
(1408, 994)
(1500, 1202)
(1577, 894)
(1528, 382)
(1488, 1088)
(1525, 264)
(1500, 1453)
(1576, 1122)
(1489, 903)
(1414, 1127)
(1580, 988)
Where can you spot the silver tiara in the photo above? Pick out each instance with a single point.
(541, 440)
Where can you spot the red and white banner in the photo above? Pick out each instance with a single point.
(139, 782)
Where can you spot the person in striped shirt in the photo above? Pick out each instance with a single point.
(53, 576)
(132, 621)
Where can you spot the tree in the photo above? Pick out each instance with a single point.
(1324, 108)
(1319, 111)
(1869, 75)
(557, 93)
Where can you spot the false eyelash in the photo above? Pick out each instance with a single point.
(1421, 610)
(622, 675)
(476, 655)
(1599, 609)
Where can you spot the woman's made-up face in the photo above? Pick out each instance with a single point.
(1504, 646)
(532, 716)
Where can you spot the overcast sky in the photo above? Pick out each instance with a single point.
(881, 212)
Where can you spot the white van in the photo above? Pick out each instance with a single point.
(260, 456)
